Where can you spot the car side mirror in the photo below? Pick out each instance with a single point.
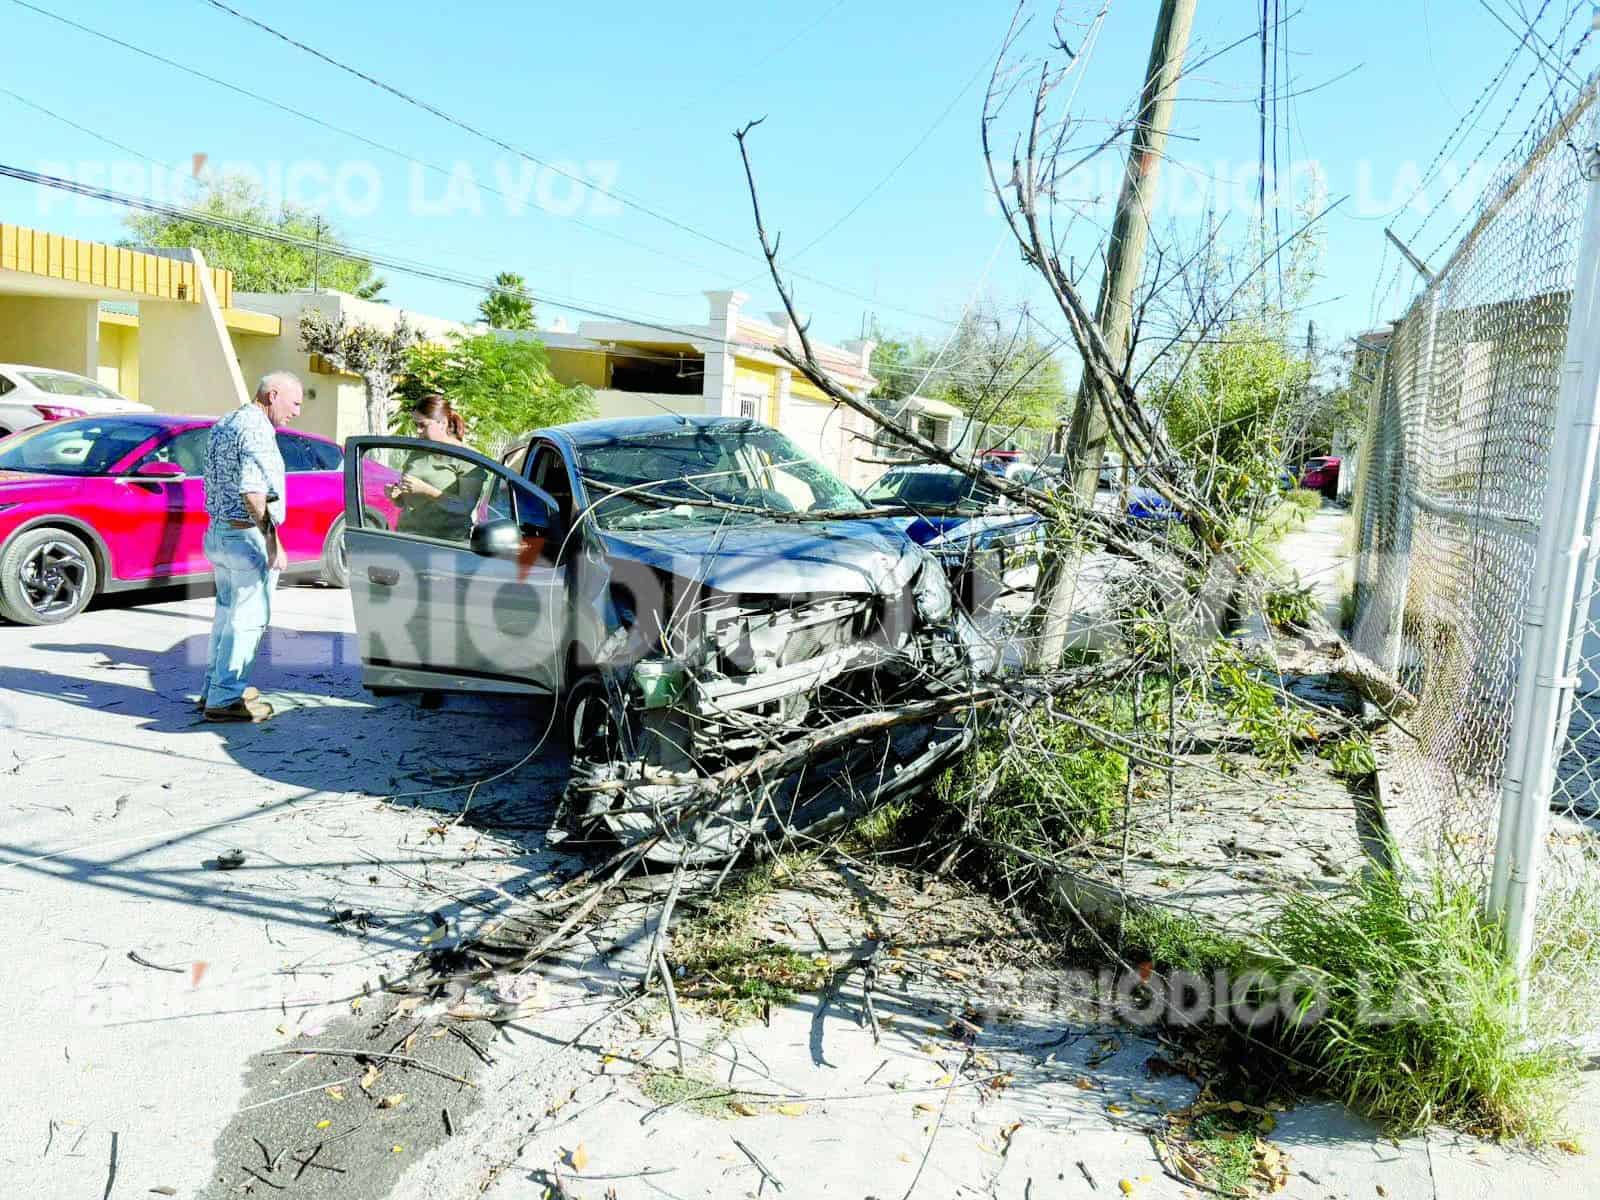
(497, 539)
(171, 472)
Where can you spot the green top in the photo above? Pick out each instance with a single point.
(450, 516)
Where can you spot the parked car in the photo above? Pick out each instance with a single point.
(1147, 504)
(30, 396)
(996, 461)
(976, 533)
(1322, 475)
(657, 576)
(106, 504)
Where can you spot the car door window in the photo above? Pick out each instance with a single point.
(550, 474)
(5, 385)
(296, 454)
(187, 450)
(325, 455)
(429, 493)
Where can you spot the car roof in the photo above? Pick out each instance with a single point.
(42, 370)
(169, 421)
(609, 429)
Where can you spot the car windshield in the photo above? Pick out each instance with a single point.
(67, 385)
(928, 490)
(747, 465)
(86, 447)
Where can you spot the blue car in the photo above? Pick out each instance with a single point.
(1147, 504)
(963, 521)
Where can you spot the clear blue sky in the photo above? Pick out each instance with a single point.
(643, 98)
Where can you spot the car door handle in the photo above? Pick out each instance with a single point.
(383, 576)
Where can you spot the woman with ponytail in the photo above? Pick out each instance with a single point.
(438, 493)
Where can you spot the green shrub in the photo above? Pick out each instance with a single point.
(1290, 607)
(1352, 759)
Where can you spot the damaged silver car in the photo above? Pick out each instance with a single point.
(700, 596)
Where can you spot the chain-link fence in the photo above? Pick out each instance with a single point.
(1471, 458)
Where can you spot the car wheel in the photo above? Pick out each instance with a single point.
(335, 558)
(592, 725)
(47, 576)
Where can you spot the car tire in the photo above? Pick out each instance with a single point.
(589, 722)
(47, 576)
(335, 559)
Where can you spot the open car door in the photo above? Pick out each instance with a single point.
(453, 570)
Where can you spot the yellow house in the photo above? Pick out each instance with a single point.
(52, 289)
(161, 327)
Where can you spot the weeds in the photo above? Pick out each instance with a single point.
(1306, 500)
(728, 967)
(1411, 1010)
(705, 1097)
(1174, 942)
(1228, 1146)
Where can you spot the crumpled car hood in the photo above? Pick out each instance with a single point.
(833, 557)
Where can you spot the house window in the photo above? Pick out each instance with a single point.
(747, 407)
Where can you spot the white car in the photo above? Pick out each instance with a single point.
(33, 395)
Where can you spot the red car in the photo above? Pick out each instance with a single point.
(106, 504)
(1321, 475)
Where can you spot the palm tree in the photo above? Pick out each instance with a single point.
(508, 306)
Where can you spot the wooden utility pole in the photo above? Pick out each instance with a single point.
(1086, 439)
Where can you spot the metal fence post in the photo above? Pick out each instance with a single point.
(1543, 679)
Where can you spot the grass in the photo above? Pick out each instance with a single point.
(728, 967)
(1228, 1143)
(1174, 942)
(883, 827)
(1306, 500)
(1418, 1021)
(702, 1096)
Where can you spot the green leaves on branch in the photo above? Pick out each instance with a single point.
(503, 387)
(1229, 415)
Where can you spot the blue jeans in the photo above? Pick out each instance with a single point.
(244, 608)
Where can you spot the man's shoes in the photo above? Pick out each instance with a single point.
(250, 693)
(241, 710)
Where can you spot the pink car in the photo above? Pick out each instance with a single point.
(1321, 475)
(111, 503)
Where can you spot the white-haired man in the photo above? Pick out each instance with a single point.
(245, 500)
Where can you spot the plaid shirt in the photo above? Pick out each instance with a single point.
(242, 456)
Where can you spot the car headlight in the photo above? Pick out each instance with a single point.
(934, 598)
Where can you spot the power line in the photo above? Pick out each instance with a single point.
(469, 128)
(407, 157)
(302, 115)
(398, 265)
